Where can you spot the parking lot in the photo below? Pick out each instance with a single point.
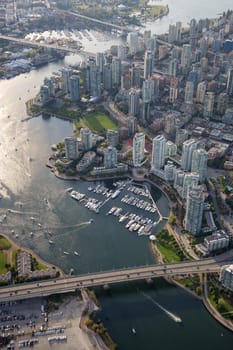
(26, 324)
(20, 319)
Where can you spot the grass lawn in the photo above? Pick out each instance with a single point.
(4, 243)
(3, 261)
(36, 265)
(168, 254)
(156, 10)
(41, 266)
(14, 256)
(99, 121)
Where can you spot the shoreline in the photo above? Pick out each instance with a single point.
(204, 298)
(18, 246)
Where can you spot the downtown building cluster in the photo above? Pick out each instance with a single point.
(187, 179)
(177, 86)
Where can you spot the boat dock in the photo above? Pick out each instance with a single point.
(139, 197)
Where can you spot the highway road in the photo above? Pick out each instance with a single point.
(72, 283)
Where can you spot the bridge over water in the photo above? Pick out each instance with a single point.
(122, 29)
(72, 283)
(34, 43)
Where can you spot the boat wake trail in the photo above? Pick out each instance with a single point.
(70, 228)
(167, 312)
(85, 223)
(20, 212)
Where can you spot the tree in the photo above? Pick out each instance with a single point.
(172, 220)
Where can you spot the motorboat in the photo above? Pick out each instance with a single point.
(69, 189)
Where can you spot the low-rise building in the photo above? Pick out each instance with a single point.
(218, 240)
(119, 169)
(24, 268)
(226, 276)
(86, 161)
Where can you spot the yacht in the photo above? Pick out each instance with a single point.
(132, 227)
(123, 218)
(76, 253)
(134, 331)
(116, 194)
(51, 242)
(69, 189)
(66, 253)
(112, 210)
(141, 229)
(129, 224)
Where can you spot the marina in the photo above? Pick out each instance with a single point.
(140, 198)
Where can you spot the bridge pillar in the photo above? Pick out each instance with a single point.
(106, 287)
(149, 281)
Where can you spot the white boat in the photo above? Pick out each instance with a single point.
(66, 253)
(123, 218)
(141, 229)
(69, 189)
(76, 253)
(111, 211)
(134, 331)
(116, 194)
(132, 227)
(51, 242)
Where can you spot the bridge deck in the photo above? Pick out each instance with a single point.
(71, 283)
